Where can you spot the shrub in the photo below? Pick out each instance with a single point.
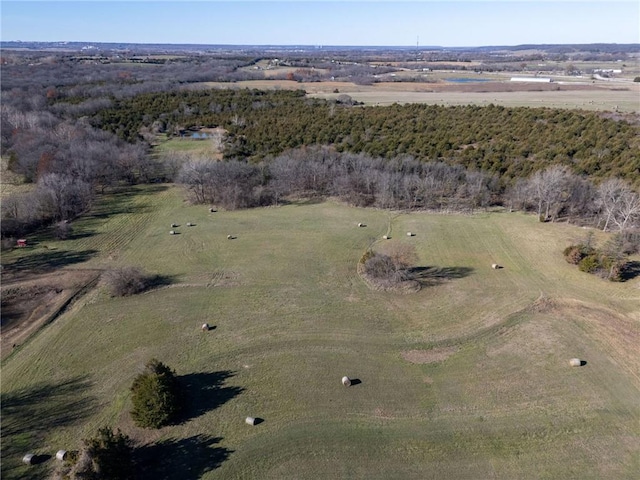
(111, 454)
(573, 254)
(403, 255)
(62, 230)
(636, 79)
(7, 243)
(125, 281)
(630, 241)
(381, 266)
(106, 456)
(589, 264)
(615, 272)
(156, 396)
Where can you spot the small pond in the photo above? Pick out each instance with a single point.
(467, 80)
(200, 135)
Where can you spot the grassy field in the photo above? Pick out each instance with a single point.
(608, 100)
(11, 183)
(164, 146)
(467, 378)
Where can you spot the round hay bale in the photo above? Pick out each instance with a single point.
(410, 234)
(250, 421)
(229, 237)
(575, 362)
(189, 224)
(386, 237)
(346, 381)
(28, 458)
(362, 225)
(174, 225)
(61, 455)
(212, 210)
(205, 327)
(172, 232)
(495, 266)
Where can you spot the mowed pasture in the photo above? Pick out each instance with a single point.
(467, 378)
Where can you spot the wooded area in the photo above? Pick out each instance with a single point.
(73, 129)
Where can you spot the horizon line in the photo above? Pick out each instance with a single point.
(314, 45)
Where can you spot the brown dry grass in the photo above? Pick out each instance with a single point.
(618, 333)
(602, 96)
(30, 303)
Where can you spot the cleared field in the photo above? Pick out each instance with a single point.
(11, 183)
(468, 378)
(570, 94)
(164, 146)
(607, 100)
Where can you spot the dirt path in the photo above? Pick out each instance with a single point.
(28, 305)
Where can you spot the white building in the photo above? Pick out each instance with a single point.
(531, 79)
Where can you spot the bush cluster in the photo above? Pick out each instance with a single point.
(608, 262)
(105, 456)
(574, 254)
(382, 267)
(392, 267)
(126, 281)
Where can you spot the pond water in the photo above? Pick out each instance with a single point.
(199, 135)
(467, 80)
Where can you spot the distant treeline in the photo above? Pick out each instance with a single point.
(509, 142)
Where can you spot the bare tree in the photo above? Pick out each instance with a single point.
(618, 203)
(548, 189)
(516, 197)
(231, 184)
(67, 196)
(628, 210)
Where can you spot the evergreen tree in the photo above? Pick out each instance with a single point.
(156, 396)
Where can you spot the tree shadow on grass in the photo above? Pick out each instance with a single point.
(120, 202)
(158, 281)
(43, 262)
(430, 276)
(630, 271)
(28, 415)
(205, 391)
(187, 459)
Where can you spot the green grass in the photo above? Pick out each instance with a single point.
(166, 145)
(292, 317)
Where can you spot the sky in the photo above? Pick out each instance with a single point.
(450, 23)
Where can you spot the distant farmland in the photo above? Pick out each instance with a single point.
(622, 97)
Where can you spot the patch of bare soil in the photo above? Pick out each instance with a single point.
(32, 302)
(429, 356)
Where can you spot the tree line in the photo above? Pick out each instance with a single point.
(405, 182)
